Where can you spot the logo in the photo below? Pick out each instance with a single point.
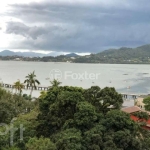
(55, 74)
(58, 74)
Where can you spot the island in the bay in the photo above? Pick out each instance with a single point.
(124, 55)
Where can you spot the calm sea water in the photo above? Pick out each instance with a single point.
(125, 78)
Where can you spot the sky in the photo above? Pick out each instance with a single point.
(81, 26)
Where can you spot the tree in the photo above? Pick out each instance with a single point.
(18, 86)
(27, 97)
(43, 94)
(69, 139)
(142, 116)
(55, 83)
(146, 101)
(40, 144)
(103, 99)
(11, 148)
(121, 131)
(93, 138)
(71, 118)
(11, 105)
(58, 106)
(85, 116)
(92, 94)
(31, 81)
(29, 122)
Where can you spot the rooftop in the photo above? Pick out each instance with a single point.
(131, 109)
(134, 109)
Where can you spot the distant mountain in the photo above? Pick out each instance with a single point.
(7, 53)
(33, 54)
(124, 55)
(72, 55)
(124, 52)
(24, 54)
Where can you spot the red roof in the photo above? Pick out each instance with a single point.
(147, 126)
(134, 109)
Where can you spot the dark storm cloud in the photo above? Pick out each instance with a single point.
(29, 32)
(81, 27)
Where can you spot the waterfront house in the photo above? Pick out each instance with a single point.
(134, 109)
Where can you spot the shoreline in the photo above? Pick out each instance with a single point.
(79, 62)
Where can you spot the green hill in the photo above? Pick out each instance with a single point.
(139, 55)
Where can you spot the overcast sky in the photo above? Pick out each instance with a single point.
(83, 26)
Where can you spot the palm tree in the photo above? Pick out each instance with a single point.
(31, 81)
(55, 83)
(43, 94)
(18, 86)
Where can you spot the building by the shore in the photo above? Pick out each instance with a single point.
(133, 109)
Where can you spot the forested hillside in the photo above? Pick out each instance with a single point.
(122, 55)
(139, 55)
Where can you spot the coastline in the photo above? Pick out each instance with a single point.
(78, 62)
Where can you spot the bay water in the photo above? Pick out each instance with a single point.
(126, 78)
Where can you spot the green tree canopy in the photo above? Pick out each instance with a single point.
(40, 144)
(103, 99)
(146, 101)
(73, 118)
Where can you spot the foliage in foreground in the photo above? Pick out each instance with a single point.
(146, 101)
(72, 118)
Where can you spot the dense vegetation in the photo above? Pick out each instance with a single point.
(70, 118)
(146, 102)
(61, 58)
(139, 55)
